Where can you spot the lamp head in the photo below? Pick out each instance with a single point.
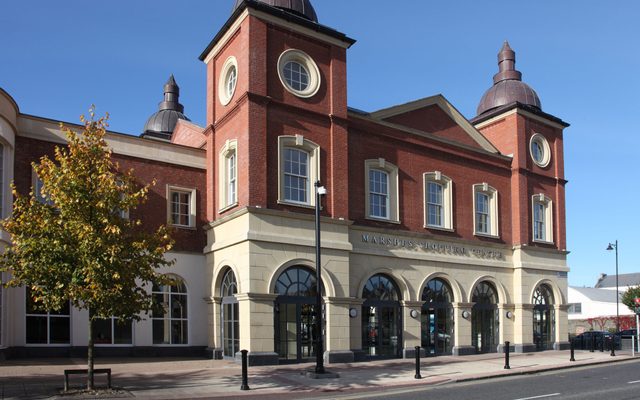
(610, 247)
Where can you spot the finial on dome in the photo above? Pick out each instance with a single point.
(507, 85)
(507, 65)
(171, 95)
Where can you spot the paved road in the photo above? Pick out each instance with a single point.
(620, 381)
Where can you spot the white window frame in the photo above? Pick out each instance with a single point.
(547, 204)
(167, 318)
(541, 141)
(492, 194)
(298, 142)
(392, 186)
(228, 75)
(229, 151)
(447, 200)
(302, 58)
(192, 206)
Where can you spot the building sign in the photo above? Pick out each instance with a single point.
(433, 247)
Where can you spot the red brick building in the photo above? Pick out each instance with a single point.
(438, 231)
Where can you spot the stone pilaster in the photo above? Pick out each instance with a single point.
(411, 311)
(462, 332)
(256, 312)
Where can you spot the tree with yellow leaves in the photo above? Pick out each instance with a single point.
(72, 242)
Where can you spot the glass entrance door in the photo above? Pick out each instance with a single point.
(381, 331)
(297, 332)
(484, 329)
(542, 332)
(437, 331)
(230, 329)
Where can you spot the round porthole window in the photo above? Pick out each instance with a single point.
(540, 151)
(228, 80)
(298, 73)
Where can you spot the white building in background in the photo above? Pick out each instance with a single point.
(597, 302)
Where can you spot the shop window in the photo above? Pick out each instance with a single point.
(170, 322)
(47, 327)
(112, 331)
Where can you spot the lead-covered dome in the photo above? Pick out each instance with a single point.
(302, 8)
(507, 85)
(161, 123)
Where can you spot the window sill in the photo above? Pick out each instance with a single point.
(439, 228)
(486, 235)
(302, 205)
(185, 227)
(378, 219)
(227, 208)
(543, 242)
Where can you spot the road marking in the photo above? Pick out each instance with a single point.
(540, 397)
(633, 382)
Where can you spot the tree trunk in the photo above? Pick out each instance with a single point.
(90, 357)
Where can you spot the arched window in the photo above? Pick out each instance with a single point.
(542, 296)
(437, 291)
(229, 286)
(170, 324)
(297, 281)
(484, 293)
(380, 287)
(230, 317)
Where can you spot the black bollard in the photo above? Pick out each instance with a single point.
(506, 355)
(593, 344)
(418, 376)
(572, 345)
(613, 346)
(245, 383)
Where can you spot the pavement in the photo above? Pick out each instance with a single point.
(168, 378)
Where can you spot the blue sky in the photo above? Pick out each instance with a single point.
(582, 57)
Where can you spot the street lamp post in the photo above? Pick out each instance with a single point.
(613, 246)
(320, 191)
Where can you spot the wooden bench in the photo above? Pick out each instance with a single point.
(68, 372)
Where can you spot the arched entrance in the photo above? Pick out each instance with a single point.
(230, 315)
(296, 315)
(485, 318)
(381, 318)
(543, 318)
(437, 318)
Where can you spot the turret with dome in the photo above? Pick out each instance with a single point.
(507, 85)
(160, 125)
